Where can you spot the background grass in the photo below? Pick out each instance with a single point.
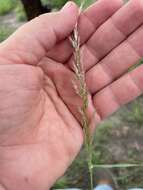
(20, 13)
(60, 3)
(6, 6)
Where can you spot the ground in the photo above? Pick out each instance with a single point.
(117, 140)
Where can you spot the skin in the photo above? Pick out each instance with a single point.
(40, 132)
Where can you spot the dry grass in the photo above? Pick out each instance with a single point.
(81, 89)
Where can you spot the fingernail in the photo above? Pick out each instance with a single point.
(68, 5)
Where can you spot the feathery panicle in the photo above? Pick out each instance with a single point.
(82, 91)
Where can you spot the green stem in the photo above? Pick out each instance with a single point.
(90, 172)
(125, 165)
(88, 147)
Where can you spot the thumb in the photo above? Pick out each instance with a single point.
(32, 41)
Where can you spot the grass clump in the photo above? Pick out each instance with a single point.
(6, 6)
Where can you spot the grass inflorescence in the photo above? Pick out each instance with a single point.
(82, 91)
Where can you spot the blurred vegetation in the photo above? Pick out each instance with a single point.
(59, 3)
(136, 116)
(6, 6)
(20, 13)
(5, 32)
(55, 3)
(62, 183)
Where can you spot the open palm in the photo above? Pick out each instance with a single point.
(40, 132)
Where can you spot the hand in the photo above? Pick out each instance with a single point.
(40, 134)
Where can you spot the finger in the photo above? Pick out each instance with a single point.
(116, 63)
(31, 42)
(89, 21)
(122, 91)
(114, 31)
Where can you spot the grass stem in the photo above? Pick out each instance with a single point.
(81, 90)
